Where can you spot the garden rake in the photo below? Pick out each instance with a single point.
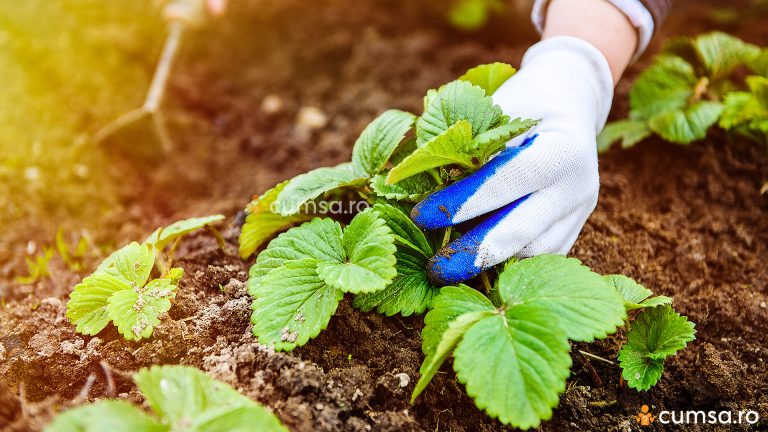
(141, 134)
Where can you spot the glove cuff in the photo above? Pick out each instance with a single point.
(637, 14)
(579, 67)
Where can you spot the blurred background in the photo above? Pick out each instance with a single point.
(267, 90)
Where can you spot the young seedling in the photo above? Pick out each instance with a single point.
(37, 267)
(122, 291)
(72, 256)
(181, 398)
(511, 345)
(655, 335)
(685, 91)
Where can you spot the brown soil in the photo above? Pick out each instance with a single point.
(686, 222)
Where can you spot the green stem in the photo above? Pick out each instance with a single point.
(486, 282)
(435, 176)
(446, 237)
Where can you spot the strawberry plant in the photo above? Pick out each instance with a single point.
(655, 335)
(690, 87)
(511, 339)
(121, 289)
(181, 398)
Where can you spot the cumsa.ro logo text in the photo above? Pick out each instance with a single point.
(646, 418)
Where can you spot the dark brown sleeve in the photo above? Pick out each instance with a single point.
(659, 9)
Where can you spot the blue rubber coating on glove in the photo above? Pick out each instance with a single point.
(439, 209)
(456, 262)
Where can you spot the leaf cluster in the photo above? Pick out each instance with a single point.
(513, 357)
(690, 87)
(398, 156)
(181, 398)
(381, 256)
(511, 345)
(122, 291)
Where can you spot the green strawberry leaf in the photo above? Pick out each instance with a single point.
(451, 103)
(406, 232)
(629, 132)
(656, 334)
(183, 398)
(189, 399)
(721, 53)
(379, 139)
(239, 419)
(450, 147)
(262, 223)
(494, 140)
(125, 269)
(665, 86)
(758, 85)
(448, 341)
(319, 239)
(412, 189)
(489, 77)
(514, 364)
(640, 372)
(586, 308)
(514, 359)
(660, 332)
(402, 151)
(739, 109)
(292, 305)
(87, 305)
(135, 311)
(449, 305)
(108, 415)
(685, 126)
(164, 236)
(455, 309)
(410, 292)
(759, 64)
(635, 295)
(308, 186)
(369, 263)
(133, 263)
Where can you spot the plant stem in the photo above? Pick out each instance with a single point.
(217, 234)
(446, 237)
(435, 176)
(486, 282)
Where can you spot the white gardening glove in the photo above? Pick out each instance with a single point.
(537, 194)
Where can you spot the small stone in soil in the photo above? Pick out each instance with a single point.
(404, 379)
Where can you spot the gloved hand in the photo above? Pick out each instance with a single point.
(537, 194)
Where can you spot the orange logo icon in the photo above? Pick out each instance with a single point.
(644, 418)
